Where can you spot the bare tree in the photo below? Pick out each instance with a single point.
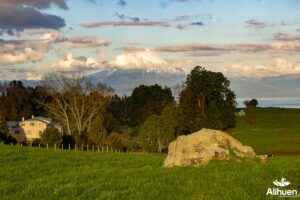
(75, 101)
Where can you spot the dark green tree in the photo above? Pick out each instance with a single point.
(206, 101)
(16, 101)
(251, 104)
(4, 131)
(51, 136)
(146, 101)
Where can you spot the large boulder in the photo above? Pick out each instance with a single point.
(201, 147)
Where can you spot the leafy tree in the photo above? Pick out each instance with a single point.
(250, 104)
(155, 134)
(171, 114)
(97, 135)
(51, 136)
(118, 108)
(16, 101)
(4, 131)
(147, 100)
(206, 101)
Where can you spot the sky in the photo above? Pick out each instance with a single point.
(245, 38)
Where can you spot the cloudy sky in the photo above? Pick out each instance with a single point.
(254, 38)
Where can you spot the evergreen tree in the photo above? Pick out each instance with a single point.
(206, 101)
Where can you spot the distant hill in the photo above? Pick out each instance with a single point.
(125, 80)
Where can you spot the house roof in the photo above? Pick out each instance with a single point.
(43, 119)
(12, 123)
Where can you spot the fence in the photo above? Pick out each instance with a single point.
(87, 148)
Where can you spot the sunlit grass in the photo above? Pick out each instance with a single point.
(32, 173)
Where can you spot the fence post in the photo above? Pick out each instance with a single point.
(39, 145)
(102, 149)
(69, 147)
(62, 146)
(47, 146)
(75, 147)
(54, 146)
(119, 151)
(11, 144)
(106, 148)
(21, 144)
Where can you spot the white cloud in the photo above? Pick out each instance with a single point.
(35, 43)
(147, 59)
(279, 66)
(140, 59)
(71, 63)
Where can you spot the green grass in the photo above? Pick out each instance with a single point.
(32, 173)
(270, 130)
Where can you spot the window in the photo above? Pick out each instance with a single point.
(17, 132)
(29, 132)
(22, 124)
(31, 123)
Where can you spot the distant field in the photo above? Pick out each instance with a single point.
(270, 130)
(32, 173)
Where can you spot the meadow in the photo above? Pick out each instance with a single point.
(270, 130)
(37, 173)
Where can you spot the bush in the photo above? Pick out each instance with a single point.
(156, 133)
(51, 136)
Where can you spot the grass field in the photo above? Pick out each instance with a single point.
(33, 173)
(270, 130)
(55, 174)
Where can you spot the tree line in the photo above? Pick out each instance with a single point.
(147, 120)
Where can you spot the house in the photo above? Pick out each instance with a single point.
(30, 129)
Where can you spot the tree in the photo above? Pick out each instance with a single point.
(155, 134)
(97, 135)
(171, 115)
(4, 130)
(147, 100)
(250, 104)
(16, 102)
(75, 101)
(51, 136)
(206, 101)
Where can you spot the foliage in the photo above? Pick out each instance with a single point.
(251, 104)
(156, 133)
(51, 136)
(147, 100)
(4, 131)
(206, 101)
(15, 102)
(97, 135)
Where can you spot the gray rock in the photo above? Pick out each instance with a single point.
(201, 147)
